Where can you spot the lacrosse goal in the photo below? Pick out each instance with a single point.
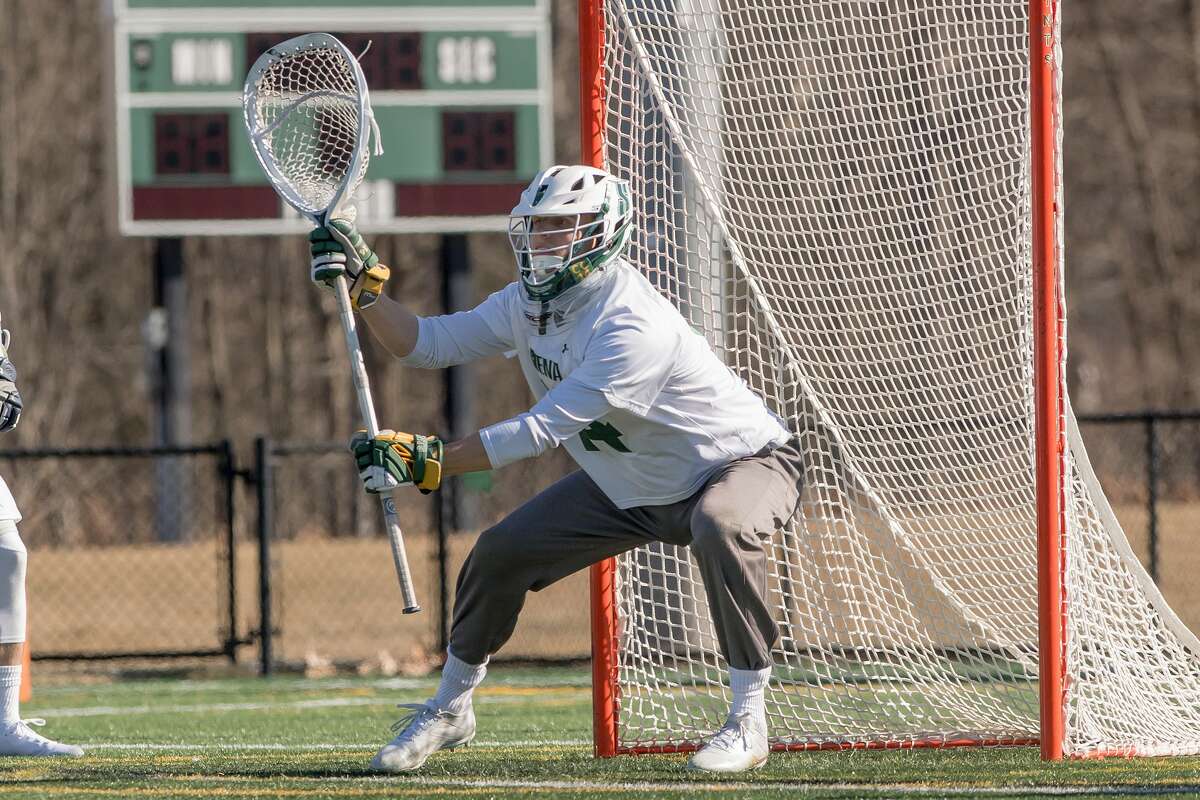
(859, 205)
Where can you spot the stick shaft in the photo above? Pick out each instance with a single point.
(366, 407)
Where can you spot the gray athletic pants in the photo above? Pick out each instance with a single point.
(728, 524)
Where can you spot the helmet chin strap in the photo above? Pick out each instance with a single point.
(562, 309)
(541, 268)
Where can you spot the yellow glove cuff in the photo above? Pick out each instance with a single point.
(369, 285)
(433, 475)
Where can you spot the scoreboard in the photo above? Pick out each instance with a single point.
(461, 90)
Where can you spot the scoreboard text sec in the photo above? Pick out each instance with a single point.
(464, 112)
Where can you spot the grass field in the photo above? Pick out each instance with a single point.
(297, 738)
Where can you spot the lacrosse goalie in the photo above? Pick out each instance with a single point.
(17, 738)
(672, 446)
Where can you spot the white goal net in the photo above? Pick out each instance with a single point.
(838, 194)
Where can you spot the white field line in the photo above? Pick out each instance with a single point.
(200, 708)
(204, 708)
(309, 748)
(191, 686)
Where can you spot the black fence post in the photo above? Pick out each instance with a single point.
(442, 506)
(1152, 492)
(171, 382)
(229, 476)
(452, 511)
(265, 486)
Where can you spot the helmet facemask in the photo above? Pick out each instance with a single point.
(570, 223)
(547, 246)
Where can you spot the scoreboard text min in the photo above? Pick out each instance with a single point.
(461, 92)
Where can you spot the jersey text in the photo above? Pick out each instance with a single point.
(545, 366)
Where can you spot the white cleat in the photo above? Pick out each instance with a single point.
(740, 745)
(18, 739)
(421, 734)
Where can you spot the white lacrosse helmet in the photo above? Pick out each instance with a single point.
(592, 213)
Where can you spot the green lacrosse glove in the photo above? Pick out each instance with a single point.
(339, 249)
(391, 460)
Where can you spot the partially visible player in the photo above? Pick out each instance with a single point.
(16, 737)
(673, 447)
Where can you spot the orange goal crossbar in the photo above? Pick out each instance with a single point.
(796, 747)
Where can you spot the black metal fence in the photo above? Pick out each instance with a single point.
(1148, 463)
(178, 552)
(335, 596)
(132, 551)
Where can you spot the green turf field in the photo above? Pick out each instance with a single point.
(295, 738)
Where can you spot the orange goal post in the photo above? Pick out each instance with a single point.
(859, 205)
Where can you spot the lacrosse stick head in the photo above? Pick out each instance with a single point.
(309, 118)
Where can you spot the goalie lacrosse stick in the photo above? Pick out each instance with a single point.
(309, 119)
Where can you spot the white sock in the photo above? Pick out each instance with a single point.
(10, 694)
(749, 686)
(459, 679)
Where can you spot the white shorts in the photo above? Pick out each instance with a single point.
(12, 584)
(8, 506)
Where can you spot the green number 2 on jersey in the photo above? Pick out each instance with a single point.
(602, 432)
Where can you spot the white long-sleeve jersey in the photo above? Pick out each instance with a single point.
(636, 396)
